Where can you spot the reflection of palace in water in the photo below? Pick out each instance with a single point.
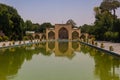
(63, 48)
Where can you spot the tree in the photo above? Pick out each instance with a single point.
(29, 25)
(35, 27)
(97, 11)
(106, 25)
(43, 27)
(87, 29)
(11, 22)
(70, 21)
(110, 5)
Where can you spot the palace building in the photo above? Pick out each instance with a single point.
(63, 31)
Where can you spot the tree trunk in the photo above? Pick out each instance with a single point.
(114, 13)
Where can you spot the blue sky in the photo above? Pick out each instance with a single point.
(56, 11)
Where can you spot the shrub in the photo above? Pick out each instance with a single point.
(92, 42)
(25, 38)
(102, 45)
(1, 38)
(96, 43)
(111, 48)
(3, 45)
(10, 44)
(13, 42)
(5, 38)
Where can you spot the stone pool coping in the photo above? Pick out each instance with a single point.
(17, 43)
(35, 41)
(27, 42)
(102, 49)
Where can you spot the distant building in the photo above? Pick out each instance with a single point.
(59, 32)
(30, 32)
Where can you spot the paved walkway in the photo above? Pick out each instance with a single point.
(116, 46)
(16, 43)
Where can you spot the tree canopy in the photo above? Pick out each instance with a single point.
(106, 25)
(110, 5)
(70, 21)
(42, 27)
(11, 22)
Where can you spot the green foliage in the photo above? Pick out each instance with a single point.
(35, 27)
(105, 28)
(10, 22)
(5, 38)
(25, 38)
(87, 29)
(108, 5)
(1, 38)
(13, 26)
(71, 22)
(106, 25)
(42, 27)
(102, 45)
(28, 25)
(112, 36)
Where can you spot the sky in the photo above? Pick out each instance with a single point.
(56, 11)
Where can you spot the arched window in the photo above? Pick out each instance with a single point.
(75, 35)
(37, 36)
(51, 35)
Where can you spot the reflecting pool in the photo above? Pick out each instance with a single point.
(57, 61)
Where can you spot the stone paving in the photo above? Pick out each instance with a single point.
(116, 46)
(10, 43)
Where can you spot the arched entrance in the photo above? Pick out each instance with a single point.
(63, 33)
(75, 35)
(51, 35)
(37, 36)
(82, 36)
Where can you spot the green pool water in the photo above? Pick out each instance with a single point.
(57, 61)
